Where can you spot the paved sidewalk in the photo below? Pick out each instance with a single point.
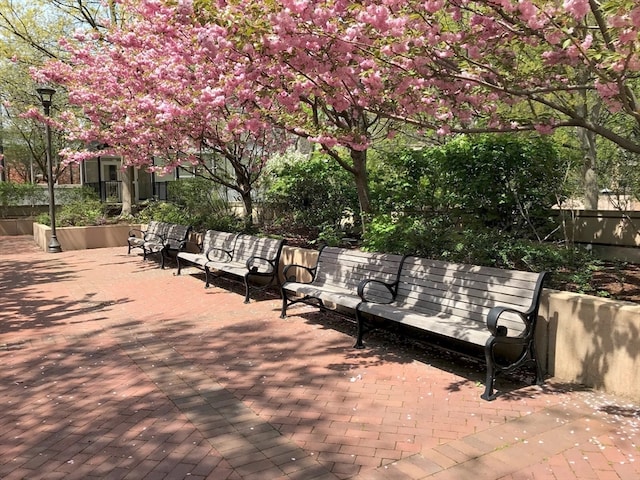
(115, 369)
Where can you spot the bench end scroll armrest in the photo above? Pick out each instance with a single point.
(376, 291)
(289, 277)
(255, 265)
(493, 318)
(215, 254)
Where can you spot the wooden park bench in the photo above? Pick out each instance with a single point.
(137, 236)
(214, 246)
(163, 239)
(335, 278)
(251, 258)
(489, 307)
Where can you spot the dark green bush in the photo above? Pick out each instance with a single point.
(505, 182)
(439, 237)
(82, 208)
(195, 202)
(311, 193)
(21, 193)
(407, 234)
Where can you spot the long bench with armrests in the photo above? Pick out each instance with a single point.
(249, 257)
(214, 243)
(137, 237)
(488, 307)
(161, 238)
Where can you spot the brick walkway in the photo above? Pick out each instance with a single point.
(115, 369)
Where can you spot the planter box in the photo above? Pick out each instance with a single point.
(81, 238)
(16, 226)
(591, 341)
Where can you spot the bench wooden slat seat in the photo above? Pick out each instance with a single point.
(220, 244)
(336, 276)
(251, 258)
(484, 306)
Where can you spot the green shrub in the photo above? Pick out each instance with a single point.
(20, 193)
(309, 193)
(440, 237)
(82, 208)
(407, 234)
(505, 182)
(195, 202)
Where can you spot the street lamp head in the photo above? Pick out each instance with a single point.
(46, 95)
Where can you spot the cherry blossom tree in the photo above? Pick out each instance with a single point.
(149, 90)
(549, 64)
(336, 71)
(335, 68)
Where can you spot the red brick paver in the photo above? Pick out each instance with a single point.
(113, 368)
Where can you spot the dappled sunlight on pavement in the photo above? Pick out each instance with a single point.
(116, 368)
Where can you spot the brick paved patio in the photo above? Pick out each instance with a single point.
(113, 368)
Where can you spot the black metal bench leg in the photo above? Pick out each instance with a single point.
(246, 289)
(207, 272)
(491, 371)
(283, 312)
(360, 330)
(533, 354)
(178, 265)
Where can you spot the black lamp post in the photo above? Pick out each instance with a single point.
(46, 94)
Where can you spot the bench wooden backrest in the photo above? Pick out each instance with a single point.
(346, 268)
(176, 235)
(222, 241)
(152, 227)
(248, 246)
(434, 287)
(156, 230)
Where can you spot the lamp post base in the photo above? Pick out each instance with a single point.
(54, 245)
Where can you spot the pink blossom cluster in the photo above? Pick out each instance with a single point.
(172, 79)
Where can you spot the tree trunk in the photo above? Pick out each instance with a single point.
(247, 201)
(589, 172)
(587, 140)
(127, 191)
(361, 176)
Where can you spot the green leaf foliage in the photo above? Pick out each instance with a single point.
(313, 192)
(195, 202)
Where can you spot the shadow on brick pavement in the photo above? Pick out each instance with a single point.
(114, 368)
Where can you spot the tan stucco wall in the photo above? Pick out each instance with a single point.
(13, 227)
(82, 238)
(591, 341)
(613, 235)
(298, 256)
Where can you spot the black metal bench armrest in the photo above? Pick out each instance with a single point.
(221, 252)
(136, 232)
(285, 272)
(493, 318)
(363, 289)
(177, 243)
(255, 263)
